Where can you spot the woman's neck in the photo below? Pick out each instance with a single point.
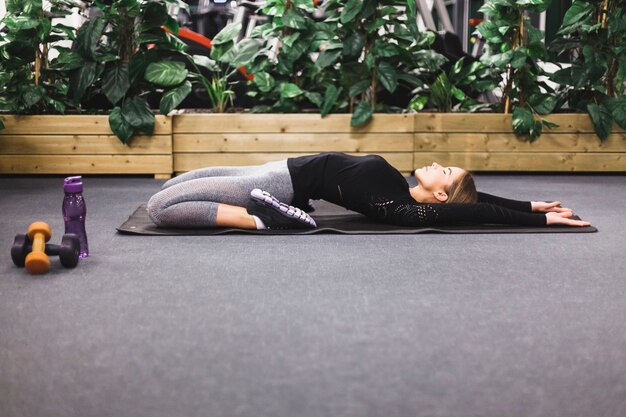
(419, 194)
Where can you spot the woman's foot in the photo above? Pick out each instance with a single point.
(277, 215)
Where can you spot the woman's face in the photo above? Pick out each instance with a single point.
(435, 177)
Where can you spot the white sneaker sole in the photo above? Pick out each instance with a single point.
(268, 200)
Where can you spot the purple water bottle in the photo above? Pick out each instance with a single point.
(75, 211)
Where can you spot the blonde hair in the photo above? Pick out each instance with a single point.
(463, 190)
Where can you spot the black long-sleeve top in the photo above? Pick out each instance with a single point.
(371, 186)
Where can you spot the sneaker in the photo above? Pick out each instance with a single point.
(277, 215)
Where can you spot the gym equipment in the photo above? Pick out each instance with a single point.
(329, 220)
(32, 251)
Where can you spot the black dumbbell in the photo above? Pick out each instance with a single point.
(68, 251)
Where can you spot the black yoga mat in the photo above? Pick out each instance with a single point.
(349, 223)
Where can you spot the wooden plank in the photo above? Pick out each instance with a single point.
(490, 122)
(189, 161)
(499, 142)
(288, 123)
(525, 161)
(293, 142)
(91, 164)
(83, 145)
(70, 125)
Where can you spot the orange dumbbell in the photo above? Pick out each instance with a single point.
(37, 262)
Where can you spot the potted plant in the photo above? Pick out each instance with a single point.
(109, 56)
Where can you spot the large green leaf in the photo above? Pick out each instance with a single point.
(373, 26)
(534, 6)
(562, 76)
(353, 45)
(578, 14)
(535, 131)
(498, 60)
(264, 81)
(418, 102)
(542, 103)
(31, 95)
(359, 87)
(137, 113)
(350, 10)
(330, 98)
(618, 110)
(154, 15)
(385, 50)
(305, 5)
(369, 8)
(18, 23)
(122, 129)
(227, 34)
(68, 60)
(289, 90)
(411, 80)
(411, 10)
(88, 36)
(456, 68)
(293, 20)
(519, 58)
(246, 50)
(490, 32)
(82, 79)
(315, 98)
(591, 73)
(523, 121)
(295, 52)
(362, 113)
(205, 62)
(116, 82)
(441, 91)
(289, 40)
(387, 76)
(166, 73)
(327, 58)
(171, 99)
(601, 118)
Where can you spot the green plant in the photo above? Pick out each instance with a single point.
(514, 47)
(342, 62)
(226, 58)
(124, 55)
(381, 46)
(454, 90)
(286, 74)
(28, 82)
(593, 34)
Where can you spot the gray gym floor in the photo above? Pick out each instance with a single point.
(322, 325)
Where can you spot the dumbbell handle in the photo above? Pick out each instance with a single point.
(51, 249)
(39, 243)
(37, 262)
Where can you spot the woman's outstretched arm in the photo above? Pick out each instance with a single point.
(505, 202)
(526, 206)
(408, 213)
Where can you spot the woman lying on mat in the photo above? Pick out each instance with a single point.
(272, 195)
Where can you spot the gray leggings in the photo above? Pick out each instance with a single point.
(191, 199)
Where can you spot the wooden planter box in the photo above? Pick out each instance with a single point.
(478, 142)
(81, 145)
(485, 142)
(248, 139)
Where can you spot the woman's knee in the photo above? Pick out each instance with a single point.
(155, 209)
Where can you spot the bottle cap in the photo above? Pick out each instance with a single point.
(73, 185)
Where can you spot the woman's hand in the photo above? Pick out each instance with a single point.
(563, 218)
(544, 207)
